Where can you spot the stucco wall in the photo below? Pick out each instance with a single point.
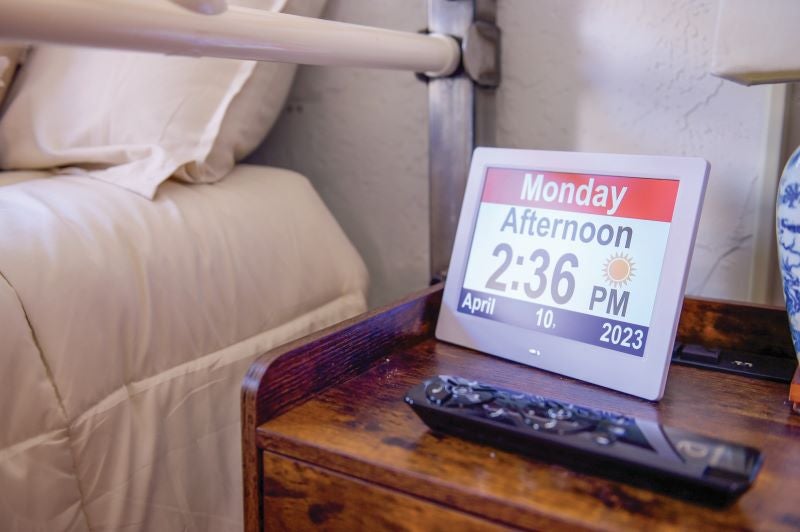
(591, 75)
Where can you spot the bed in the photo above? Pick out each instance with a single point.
(137, 284)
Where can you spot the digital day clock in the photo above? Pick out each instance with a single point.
(575, 263)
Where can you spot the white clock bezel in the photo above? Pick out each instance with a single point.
(643, 376)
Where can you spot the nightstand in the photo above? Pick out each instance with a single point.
(328, 441)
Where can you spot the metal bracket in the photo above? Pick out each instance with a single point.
(481, 53)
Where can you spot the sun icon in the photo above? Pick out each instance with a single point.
(618, 270)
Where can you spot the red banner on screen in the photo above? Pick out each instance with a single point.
(624, 197)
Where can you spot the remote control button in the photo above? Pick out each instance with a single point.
(468, 398)
(545, 425)
(616, 430)
(534, 409)
(494, 411)
(499, 414)
(603, 439)
(571, 427)
(618, 419)
(475, 385)
(533, 415)
(559, 413)
(437, 392)
(693, 449)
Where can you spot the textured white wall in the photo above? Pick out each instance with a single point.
(591, 75)
(361, 137)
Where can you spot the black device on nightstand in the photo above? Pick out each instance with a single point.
(641, 452)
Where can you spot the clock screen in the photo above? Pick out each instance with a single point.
(577, 256)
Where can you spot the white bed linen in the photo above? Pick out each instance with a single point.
(127, 326)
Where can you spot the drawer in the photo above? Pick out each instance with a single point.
(301, 496)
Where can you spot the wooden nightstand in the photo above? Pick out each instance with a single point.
(328, 441)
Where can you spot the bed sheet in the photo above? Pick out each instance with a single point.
(127, 326)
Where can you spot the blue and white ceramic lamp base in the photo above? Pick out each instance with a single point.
(788, 233)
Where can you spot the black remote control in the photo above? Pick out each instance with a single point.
(640, 452)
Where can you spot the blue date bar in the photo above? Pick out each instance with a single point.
(594, 330)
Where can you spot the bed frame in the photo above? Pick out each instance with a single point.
(458, 57)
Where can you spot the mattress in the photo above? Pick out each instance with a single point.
(127, 327)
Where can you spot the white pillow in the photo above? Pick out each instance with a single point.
(135, 119)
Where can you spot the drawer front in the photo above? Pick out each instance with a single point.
(300, 496)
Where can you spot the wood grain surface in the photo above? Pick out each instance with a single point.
(355, 425)
(293, 373)
(370, 434)
(300, 496)
(757, 329)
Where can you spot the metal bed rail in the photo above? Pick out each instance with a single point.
(235, 32)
